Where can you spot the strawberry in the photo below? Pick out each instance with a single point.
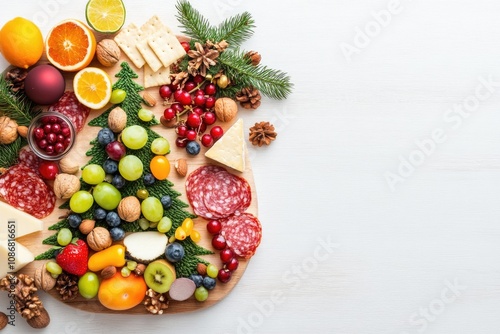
(73, 258)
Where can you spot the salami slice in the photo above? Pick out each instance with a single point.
(30, 159)
(69, 106)
(243, 234)
(196, 188)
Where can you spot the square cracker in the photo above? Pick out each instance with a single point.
(127, 39)
(166, 46)
(149, 55)
(147, 29)
(156, 78)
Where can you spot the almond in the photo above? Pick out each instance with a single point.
(86, 226)
(22, 131)
(108, 272)
(201, 269)
(149, 99)
(181, 166)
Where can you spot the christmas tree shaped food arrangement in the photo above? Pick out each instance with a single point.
(130, 162)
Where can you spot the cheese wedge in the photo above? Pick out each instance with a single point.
(24, 223)
(230, 149)
(13, 257)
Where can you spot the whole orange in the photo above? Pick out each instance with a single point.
(21, 42)
(122, 293)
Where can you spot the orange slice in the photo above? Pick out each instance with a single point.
(92, 87)
(70, 45)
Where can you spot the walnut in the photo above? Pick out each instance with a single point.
(8, 130)
(43, 279)
(99, 239)
(225, 109)
(65, 185)
(86, 226)
(129, 209)
(68, 165)
(108, 52)
(117, 120)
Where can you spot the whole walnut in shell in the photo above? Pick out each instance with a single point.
(65, 185)
(68, 165)
(99, 239)
(117, 120)
(107, 52)
(225, 109)
(129, 209)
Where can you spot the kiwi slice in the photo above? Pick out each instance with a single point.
(159, 276)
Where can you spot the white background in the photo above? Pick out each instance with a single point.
(419, 257)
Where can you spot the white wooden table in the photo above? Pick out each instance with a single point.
(380, 199)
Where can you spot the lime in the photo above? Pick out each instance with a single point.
(106, 16)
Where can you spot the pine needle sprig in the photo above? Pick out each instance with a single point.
(193, 23)
(16, 106)
(272, 83)
(9, 153)
(236, 29)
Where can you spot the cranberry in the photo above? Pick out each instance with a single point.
(226, 254)
(56, 128)
(199, 92)
(199, 100)
(47, 128)
(214, 227)
(198, 110)
(224, 275)
(165, 92)
(209, 118)
(60, 138)
(210, 102)
(181, 131)
(193, 120)
(48, 170)
(185, 46)
(59, 147)
(51, 138)
(219, 242)
(45, 120)
(42, 143)
(65, 131)
(177, 94)
(49, 149)
(216, 132)
(169, 114)
(67, 141)
(207, 140)
(189, 86)
(210, 89)
(198, 79)
(39, 133)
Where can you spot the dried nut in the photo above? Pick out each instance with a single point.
(254, 57)
(168, 124)
(41, 321)
(117, 120)
(108, 53)
(139, 270)
(3, 320)
(225, 109)
(201, 269)
(43, 279)
(86, 226)
(181, 166)
(68, 165)
(129, 209)
(99, 239)
(65, 185)
(8, 130)
(108, 272)
(22, 131)
(149, 99)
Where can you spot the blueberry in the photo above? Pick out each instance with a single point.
(105, 136)
(148, 179)
(113, 219)
(110, 166)
(74, 220)
(118, 181)
(197, 279)
(174, 252)
(193, 147)
(99, 213)
(117, 233)
(209, 282)
(166, 201)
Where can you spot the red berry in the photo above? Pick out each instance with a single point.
(169, 114)
(65, 131)
(56, 128)
(185, 46)
(59, 147)
(51, 138)
(47, 128)
(191, 135)
(39, 133)
(207, 140)
(224, 275)
(199, 100)
(177, 108)
(177, 94)
(189, 86)
(209, 118)
(42, 143)
(181, 130)
(181, 142)
(116, 150)
(214, 226)
(49, 149)
(226, 254)
(232, 264)
(48, 170)
(199, 92)
(198, 79)
(202, 128)
(183, 97)
(210, 89)
(216, 132)
(193, 120)
(198, 110)
(210, 102)
(165, 92)
(219, 242)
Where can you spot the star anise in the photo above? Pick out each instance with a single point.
(202, 59)
(262, 134)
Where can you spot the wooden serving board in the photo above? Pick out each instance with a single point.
(34, 241)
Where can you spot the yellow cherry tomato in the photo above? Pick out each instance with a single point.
(195, 236)
(160, 167)
(187, 226)
(111, 256)
(180, 234)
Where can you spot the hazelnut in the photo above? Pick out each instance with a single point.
(65, 185)
(225, 109)
(107, 52)
(129, 209)
(68, 165)
(8, 130)
(181, 166)
(117, 120)
(108, 272)
(139, 270)
(43, 279)
(86, 226)
(4, 320)
(99, 239)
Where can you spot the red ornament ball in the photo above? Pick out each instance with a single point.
(44, 84)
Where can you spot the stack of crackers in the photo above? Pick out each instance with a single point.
(152, 46)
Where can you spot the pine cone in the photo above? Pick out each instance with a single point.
(155, 302)
(249, 98)
(262, 134)
(67, 285)
(254, 57)
(202, 59)
(16, 77)
(22, 287)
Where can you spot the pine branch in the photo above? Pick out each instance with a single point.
(195, 25)
(9, 153)
(235, 30)
(272, 83)
(15, 106)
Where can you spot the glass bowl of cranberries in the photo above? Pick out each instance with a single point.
(51, 135)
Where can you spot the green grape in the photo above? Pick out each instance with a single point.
(93, 174)
(164, 225)
(201, 294)
(212, 270)
(88, 285)
(126, 272)
(81, 201)
(64, 236)
(134, 137)
(143, 223)
(130, 167)
(142, 193)
(131, 265)
(160, 146)
(53, 268)
(145, 115)
(118, 96)
(107, 196)
(152, 209)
